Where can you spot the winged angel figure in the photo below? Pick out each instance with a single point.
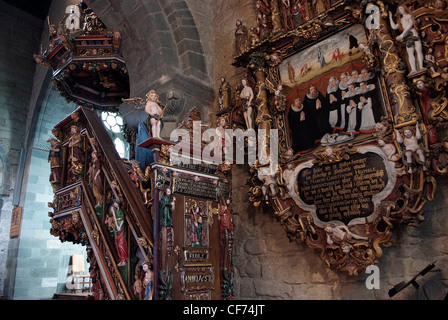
(154, 108)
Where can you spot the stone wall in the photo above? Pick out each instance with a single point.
(36, 264)
(42, 260)
(20, 36)
(164, 48)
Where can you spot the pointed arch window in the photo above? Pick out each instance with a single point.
(114, 124)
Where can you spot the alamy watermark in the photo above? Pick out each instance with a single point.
(373, 16)
(373, 280)
(262, 146)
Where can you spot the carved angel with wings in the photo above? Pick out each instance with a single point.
(153, 107)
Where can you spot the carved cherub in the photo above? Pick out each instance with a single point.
(413, 152)
(154, 109)
(341, 233)
(389, 149)
(269, 188)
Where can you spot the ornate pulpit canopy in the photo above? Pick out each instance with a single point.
(85, 60)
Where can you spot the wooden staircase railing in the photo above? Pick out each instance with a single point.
(103, 202)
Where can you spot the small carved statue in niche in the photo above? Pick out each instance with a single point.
(225, 216)
(92, 22)
(319, 6)
(53, 35)
(426, 95)
(54, 157)
(279, 99)
(288, 23)
(76, 153)
(409, 36)
(247, 96)
(196, 225)
(298, 12)
(148, 280)
(288, 173)
(269, 187)
(241, 37)
(264, 23)
(254, 36)
(117, 222)
(96, 179)
(431, 63)
(138, 284)
(224, 94)
(413, 152)
(221, 146)
(165, 209)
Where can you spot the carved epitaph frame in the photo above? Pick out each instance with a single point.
(354, 245)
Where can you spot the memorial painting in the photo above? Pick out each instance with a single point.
(331, 96)
(196, 225)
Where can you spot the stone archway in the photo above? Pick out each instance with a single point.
(163, 50)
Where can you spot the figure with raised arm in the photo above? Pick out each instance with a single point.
(409, 36)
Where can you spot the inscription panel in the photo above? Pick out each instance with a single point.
(201, 188)
(196, 279)
(347, 191)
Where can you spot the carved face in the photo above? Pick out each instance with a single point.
(407, 133)
(420, 85)
(152, 96)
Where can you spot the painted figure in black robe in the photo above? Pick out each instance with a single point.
(302, 139)
(334, 100)
(317, 110)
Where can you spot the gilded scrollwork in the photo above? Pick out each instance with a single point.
(408, 136)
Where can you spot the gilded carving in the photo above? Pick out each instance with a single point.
(393, 158)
